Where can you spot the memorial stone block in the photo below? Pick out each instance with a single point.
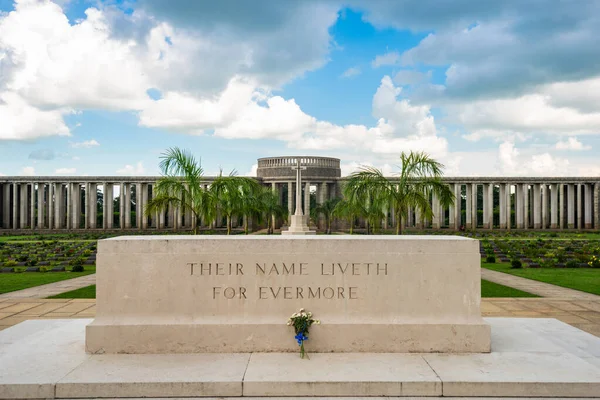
(194, 294)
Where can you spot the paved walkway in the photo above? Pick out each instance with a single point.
(51, 289)
(583, 314)
(535, 287)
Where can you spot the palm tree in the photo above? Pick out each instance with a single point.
(269, 203)
(327, 209)
(181, 186)
(348, 210)
(420, 176)
(231, 194)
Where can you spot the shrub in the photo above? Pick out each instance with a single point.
(45, 269)
(10, 263)
(490, 259)
(22, 257)
(572, 264)
(77, 262)
(516, 264)
(77, 268)
(594, 262)
(87, 253)
(31, 263)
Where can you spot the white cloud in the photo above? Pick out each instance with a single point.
(515, 162)
(571, 144)
(411, 77)
(21, 121)
(351, 72)
(63, 171)
(1, 174)
(85, 144)
(28, 171)
(252, 171)
(390, 58)
(138, 169)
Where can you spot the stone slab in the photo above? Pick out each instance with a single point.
(234, 294)
(34, 355)
(46, 358)
(284, 374)
(156, 375)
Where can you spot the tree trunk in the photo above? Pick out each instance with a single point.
(246, 224)
(328, 230)
(398, 225)
(229, 224)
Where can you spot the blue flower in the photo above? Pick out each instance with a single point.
(300, 337)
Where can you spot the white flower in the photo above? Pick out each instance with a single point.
(302, 310)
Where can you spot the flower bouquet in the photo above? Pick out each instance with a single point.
(301, 321)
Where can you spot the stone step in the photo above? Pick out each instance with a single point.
(530, 358)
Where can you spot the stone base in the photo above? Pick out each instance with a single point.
(246, 338)
(530, 358)
(298, 226)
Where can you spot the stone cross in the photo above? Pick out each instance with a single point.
(298, 168)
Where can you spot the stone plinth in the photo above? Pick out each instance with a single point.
(196, 294)
(298, 227)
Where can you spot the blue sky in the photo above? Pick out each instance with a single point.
(102, 88)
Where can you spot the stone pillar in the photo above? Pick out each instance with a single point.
(597, 205)
(526, 212)
(579, 206)
(109, 205)
(537, 202)
(474, 206)
(553, 206)
(127, 209)
(122, 190)
(58, 200)
(290, 201)
(69, 206)
(76, 206)
(588, 198)
(40, 206)
(418, 219)
(502, 207)
(571, 206)
(23, 206)
(508, 206)
(49, 203)
(469, 210)
(307, 202)
(274, 190)
(15, 207)
(486, 215)
(145, 203)
(161, 220)
(519, 205)
(545, 197)
(435, 208)
(457, 205)
(86, 205)
(32, 206)
(561, 206)
(6, 205)
(93, 203)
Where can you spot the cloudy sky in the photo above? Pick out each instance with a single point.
(487, 87)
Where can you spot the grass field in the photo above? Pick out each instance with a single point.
(11, 282)
(584, 279)
(488, 289)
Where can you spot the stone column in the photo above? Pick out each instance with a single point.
(588, 198)
(469, 210)
(86, 205)
(579, 206)
(122, 190)
(15, 207)
(486, 215)
(138, 205)
(435, 208)
(457, 205)
(93, 203)
(418, 219)
(69, 206)
(77, 205)
(597, 205)
(561, 206)
(32, 206)
(553, 206)
(502, 207)
(274, 190)
(474, 206)
(23, 206)
(127, 209)
(571, 206)
(6, 205)
(49, 204)
(41, 206)
(145, 203)
(526, 213)
(307, 202)
(109, 205)
(544, 192)
(58, 200)
(290, 201)
(537, 202)
(508, 206)
(519, 205)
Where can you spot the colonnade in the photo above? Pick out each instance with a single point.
(74, 203)
(515, 205)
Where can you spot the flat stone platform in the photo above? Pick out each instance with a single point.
(529, 358)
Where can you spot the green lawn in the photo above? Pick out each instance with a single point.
(584, 279)
(488, 289)
(17, 281)
(88, 292)
(491, 289)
